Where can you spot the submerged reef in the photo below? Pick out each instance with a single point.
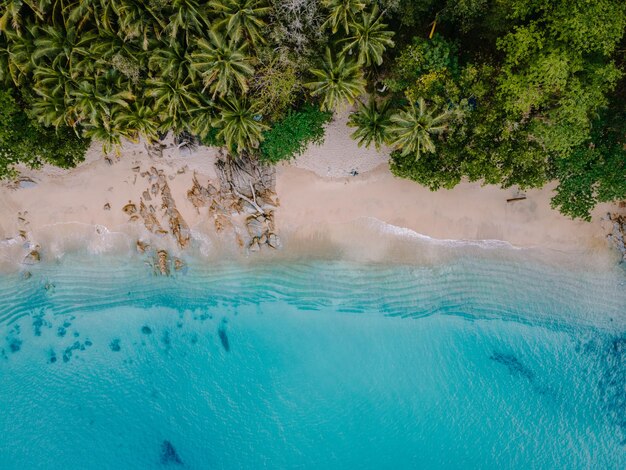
(612, 384)
(221, 332)
(169, 454)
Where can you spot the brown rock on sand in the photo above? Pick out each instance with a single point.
(33, 257)
(130, 208)
(163, 263)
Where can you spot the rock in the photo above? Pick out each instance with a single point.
(136, 169)
(255, 226)
(142, 246)
(254, 245)
(198, 194)
(618, 234)
(130, 208)
(178, 226)
(163, 263)
(25, 182)
(273, 240)
(263, 239)
(33, 257)
(107, 207)
(178, 264)
(26, 275)
(149, 219)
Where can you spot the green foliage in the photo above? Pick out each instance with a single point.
(24, 141)
(341, 13)
(421, 57)
(505, 92)
(243, 19)
(412, 129)
(291, 136)
(275, 85)
(555, 74)
(240, 125)
(530, 98)
(222, 63)
(369, 37)
(338, 82)
(595, 171)
(211, 138)
(372, 123)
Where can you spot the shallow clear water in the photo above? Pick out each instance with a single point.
(478, 362)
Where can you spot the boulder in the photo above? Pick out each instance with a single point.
(32, 257)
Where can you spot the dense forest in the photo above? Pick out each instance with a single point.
(509, 92)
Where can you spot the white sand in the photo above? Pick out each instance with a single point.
(64, 210)
(340, 155)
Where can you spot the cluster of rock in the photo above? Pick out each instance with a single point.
(242, 200)
(160, 219)
(243, 196)
(617, 236)
(33, 250)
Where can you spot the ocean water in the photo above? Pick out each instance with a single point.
(481, 361)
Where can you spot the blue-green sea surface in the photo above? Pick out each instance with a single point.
(477, 362)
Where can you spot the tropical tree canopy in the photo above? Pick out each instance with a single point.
(372, 123)
(537, 87)
(239, 125)
(369, 37)
(412, 129)
(340, 81)
(243, 19)
(222, 63)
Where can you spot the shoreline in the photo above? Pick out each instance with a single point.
(371, 216)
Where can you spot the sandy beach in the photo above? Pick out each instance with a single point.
(329, 188)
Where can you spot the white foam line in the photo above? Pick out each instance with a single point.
(405, 232)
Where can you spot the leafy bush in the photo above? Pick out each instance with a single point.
(438, 57)
(291, 136)
(25, 141)
(595, 171)
(211, 139)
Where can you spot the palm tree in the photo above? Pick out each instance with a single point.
(140, 120)
(173, 62)
(369, 37)
(138, 20)
(16, 57)
(372, 123)
(12, 15)
(187, 15)
(412, 129)
(222, 64)
(92, 100)
(239, 125)
(109, 130)
(62, 45)
(243, 19)
(173, 101)
(54, 85)
(337, 82)
(52, 109)
(342, 13)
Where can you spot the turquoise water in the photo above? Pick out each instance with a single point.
(477, 362)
